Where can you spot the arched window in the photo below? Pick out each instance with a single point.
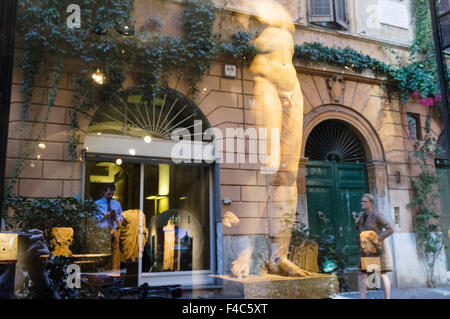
(137, 115)
(130, 145)
(334, 141)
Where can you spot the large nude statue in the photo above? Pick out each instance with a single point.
(278, 95)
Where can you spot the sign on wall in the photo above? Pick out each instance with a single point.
(394, 13)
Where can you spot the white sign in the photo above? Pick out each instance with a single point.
(393, 13)
(230, 71)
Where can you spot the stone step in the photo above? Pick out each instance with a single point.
(318, 286)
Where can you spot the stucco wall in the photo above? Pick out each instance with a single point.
(227, 103)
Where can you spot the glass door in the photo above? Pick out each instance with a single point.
(170, 204)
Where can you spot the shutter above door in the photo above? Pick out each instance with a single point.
(320, 11)
(340, 7)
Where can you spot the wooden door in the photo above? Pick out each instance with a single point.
(334, 192)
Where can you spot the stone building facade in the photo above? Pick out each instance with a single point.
(330, 93)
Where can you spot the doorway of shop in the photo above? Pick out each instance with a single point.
(336, 179)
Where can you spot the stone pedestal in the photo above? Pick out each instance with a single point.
(319, 286)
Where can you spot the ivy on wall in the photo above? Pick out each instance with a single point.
(427, 224)
(46, 43)
(427, 221)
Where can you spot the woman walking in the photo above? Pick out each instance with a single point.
(370, 219)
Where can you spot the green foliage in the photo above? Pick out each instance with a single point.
(199, 43)
(353, 60)
(410, 78)
(44, 214)
(300, 235)
(57, 274)
(420, 74)
(27, 152)
(416, 76)
(241, 46)
(423, 44)
(44, 35)
(329, 252)
(427, 220)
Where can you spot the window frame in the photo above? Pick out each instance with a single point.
(7, 39)
(184, 278)
(332, 20)
(320, 18)
(416, 116)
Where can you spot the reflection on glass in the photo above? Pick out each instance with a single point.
(175, 219)
(176, 207)
(139, 116)
(125, 176)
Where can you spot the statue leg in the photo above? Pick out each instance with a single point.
(284, 192)
(268, 105)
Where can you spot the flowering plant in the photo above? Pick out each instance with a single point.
(427, 101)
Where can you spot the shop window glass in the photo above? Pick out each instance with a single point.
(176, 207)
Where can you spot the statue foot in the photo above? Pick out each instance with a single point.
(284, 267)
(241, 266)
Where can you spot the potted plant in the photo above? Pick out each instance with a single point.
(331, 258)
(68, 225)
(55, 217)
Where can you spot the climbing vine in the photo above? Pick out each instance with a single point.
(427, 221)
(430, 240)
(107, 41)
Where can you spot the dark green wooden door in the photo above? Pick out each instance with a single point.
(334, 191)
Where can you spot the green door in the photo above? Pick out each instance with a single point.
(334, 191)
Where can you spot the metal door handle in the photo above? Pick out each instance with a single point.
(355, 215)
(321, 215)
(341, 231)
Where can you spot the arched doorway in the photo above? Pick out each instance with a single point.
(130, 144)
(336, 179)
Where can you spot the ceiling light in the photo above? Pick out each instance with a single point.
(98, 77)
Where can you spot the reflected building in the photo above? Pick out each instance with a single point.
(353, 139)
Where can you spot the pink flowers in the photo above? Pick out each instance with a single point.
(427, 101)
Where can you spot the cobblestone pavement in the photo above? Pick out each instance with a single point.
(415, 293)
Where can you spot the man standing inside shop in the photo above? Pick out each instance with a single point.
(109, 216)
